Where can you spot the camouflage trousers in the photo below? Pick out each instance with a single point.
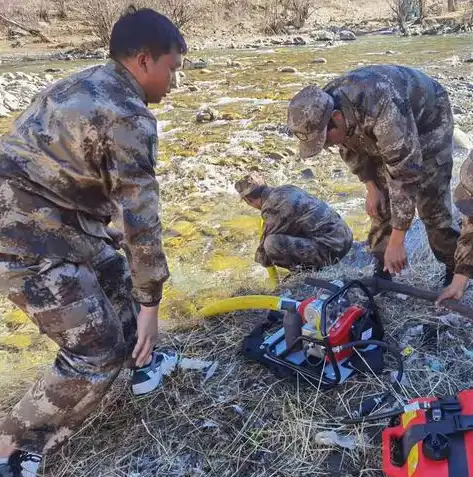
(289, 252)
(434, 206)
(87, 310)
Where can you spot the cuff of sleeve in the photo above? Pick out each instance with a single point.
(153, 303)
(150, 295)
(400, 224)
(463, 269)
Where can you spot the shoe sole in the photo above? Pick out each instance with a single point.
(149, 386)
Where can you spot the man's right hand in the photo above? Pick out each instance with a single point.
(455, 290)
(375, 200)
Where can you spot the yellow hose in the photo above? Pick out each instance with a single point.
(249, 302)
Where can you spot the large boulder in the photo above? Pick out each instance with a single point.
(324, 35)
(347, 35)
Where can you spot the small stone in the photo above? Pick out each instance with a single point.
(290, 151)
(323, 35)
(307, 174)
(336, 173)
(298, 40)
(319, 60)
(207, 115)
(469, 59)
(193, 88)
(390, 52)
(347, 35)
(288, 69)
(233, 46)
(461, 139)
(270, 62)
(277, 156)
(3, 112)
(205, 71)
(11, 102)
(49, 78)
(52, 70)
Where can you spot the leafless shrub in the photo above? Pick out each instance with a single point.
(62, 11)
(276, 17)
(407, 12)
(181, 12)
(103, 14)
(301, 11)
(43, 11)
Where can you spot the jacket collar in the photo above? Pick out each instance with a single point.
(126, 75)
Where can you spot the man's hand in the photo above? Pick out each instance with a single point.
(395, 257)
(375, 201)
(455, 290)
(147, 332)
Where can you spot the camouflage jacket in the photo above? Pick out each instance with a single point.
(463, 197)
(291, 211)
(390, 111)
(81, 155)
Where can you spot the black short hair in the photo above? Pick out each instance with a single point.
(144, 29)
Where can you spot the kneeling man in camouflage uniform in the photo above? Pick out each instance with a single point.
(394, 128)
(81, 155)
(299, 230)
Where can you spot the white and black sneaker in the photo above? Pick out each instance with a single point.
(150, 377)
(21, 464)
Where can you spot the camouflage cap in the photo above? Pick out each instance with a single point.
(463, 195)
(308, 116)
(248, 184)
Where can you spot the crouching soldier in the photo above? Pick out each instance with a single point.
(81, 155)
(394, 128)
(299, 230)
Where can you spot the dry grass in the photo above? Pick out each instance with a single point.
(244, 422)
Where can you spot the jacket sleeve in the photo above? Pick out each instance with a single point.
(464, 252)
(135, 193)
(359, 165)
(398, 144)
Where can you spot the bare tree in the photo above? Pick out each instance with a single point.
(61, 6)
(103, 14)
(181, 12)
(275, 18)
(301, 11)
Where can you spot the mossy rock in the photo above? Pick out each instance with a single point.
(15, 318)
(244, 225)
(184, 228)
(221, 263)
(16, 341)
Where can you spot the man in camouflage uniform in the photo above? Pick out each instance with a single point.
(81, 155)
(463, 198)
(394, 127)
(299, 229)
